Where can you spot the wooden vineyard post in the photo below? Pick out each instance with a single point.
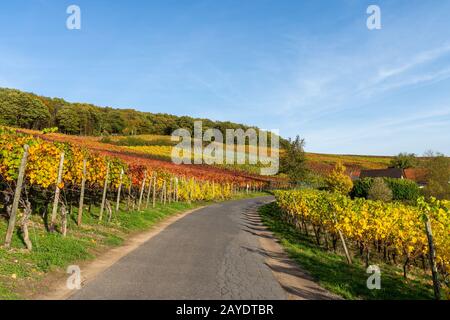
(105, 190)
(129, 194)
(190, 190)
(57, 192)
(176, 189)
(347, 254)
(83, 184)
(63, 219)
(17, 193)
(141, 193)
(119, 190)
(164, 193)
(24, 225)
(154, 190)
(109, 209)
(173, 189)
(170, 190)
(149, 190)
(432, 257)
(344, 245)
(161, 196)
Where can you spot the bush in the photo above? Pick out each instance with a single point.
(438, 167)
(50, 130)
(404, 161)
(380, 191)
(361, 188)
(402, 189)
(315, 180)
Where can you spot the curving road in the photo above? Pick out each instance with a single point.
(213, 253)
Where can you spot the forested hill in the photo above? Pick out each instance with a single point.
(28, 110)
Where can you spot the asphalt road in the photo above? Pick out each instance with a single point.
(209, 254)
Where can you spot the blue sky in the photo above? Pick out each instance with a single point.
(305, 67)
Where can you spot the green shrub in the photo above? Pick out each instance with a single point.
(315, 180)
(50, 130)
(402, 189)
(361, 188)
(380, 191)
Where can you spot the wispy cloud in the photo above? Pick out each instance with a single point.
(342, 81)
(425, 78)
(407, 74)
(394, 128)
(417, 60)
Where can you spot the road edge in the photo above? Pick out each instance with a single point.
(294, 279)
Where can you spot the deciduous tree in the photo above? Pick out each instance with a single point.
(338, 181)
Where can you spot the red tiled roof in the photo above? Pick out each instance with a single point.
(418, 175)
(355, 173)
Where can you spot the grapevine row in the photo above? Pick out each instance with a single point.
(51, 178)
(393, 231)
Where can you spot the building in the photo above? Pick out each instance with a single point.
(419, 175)
(396, 173)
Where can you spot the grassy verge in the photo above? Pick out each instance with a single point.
(332, 271)
(22, 271)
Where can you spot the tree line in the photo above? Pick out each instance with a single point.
(31, 111)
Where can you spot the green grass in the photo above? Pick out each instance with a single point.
(21, 271)
(332, 271)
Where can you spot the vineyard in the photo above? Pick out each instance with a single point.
(156, 150)
(397, 234)
(53, 177)
(158, 158)
(161, 147)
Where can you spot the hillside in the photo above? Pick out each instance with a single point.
(324, 163)
(136, 131)
(159, 147)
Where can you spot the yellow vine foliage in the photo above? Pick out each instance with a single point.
(398, 227)
(43, 164)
